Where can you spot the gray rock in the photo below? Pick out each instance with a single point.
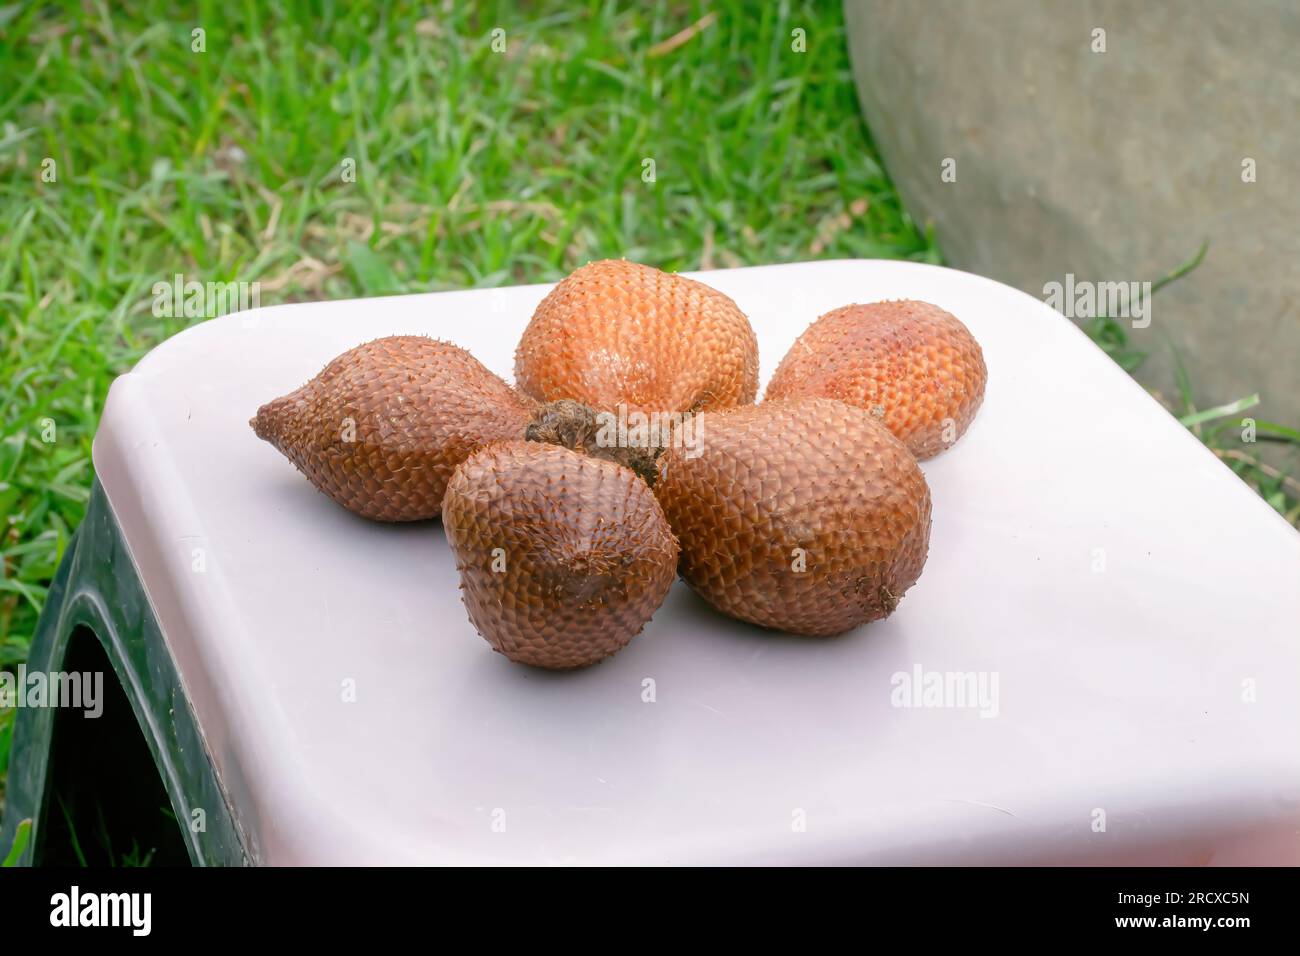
(1111, 166)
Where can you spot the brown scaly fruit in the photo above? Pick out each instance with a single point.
(381, 429)
(910, 363)
(617, 333)
(805, 515)
(563, 557)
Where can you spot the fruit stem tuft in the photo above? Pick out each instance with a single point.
(574, 426)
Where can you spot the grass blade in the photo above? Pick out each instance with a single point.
(21, 837)
(1220, 411)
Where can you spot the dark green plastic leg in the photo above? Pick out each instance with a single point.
(97, 590)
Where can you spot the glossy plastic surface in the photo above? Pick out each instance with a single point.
(1134, 604)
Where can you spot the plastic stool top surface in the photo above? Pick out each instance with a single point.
(1127, 607)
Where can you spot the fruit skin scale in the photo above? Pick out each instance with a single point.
(811, 477)
(383, 426)
(911, 363)
(562, 557)
(618, 333)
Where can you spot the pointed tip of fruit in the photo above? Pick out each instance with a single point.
(260, 424)
(268, 423)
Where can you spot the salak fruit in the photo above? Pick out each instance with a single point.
(910, 363)
(562, 557)
(381, 429)
(805, 515)
(615, 333)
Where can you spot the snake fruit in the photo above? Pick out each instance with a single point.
(804, 515)
(910, 363)
(381, 429)
(562, 557)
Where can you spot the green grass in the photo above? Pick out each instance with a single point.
(474, 168)
(21, 837)
(106, 855)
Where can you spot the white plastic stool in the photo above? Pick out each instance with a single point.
(1134, 605)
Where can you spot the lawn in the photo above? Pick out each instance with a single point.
(492, 144)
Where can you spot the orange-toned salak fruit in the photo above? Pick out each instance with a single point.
(910, 363)
(805, 515)
(615, 333)
(562, 557)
